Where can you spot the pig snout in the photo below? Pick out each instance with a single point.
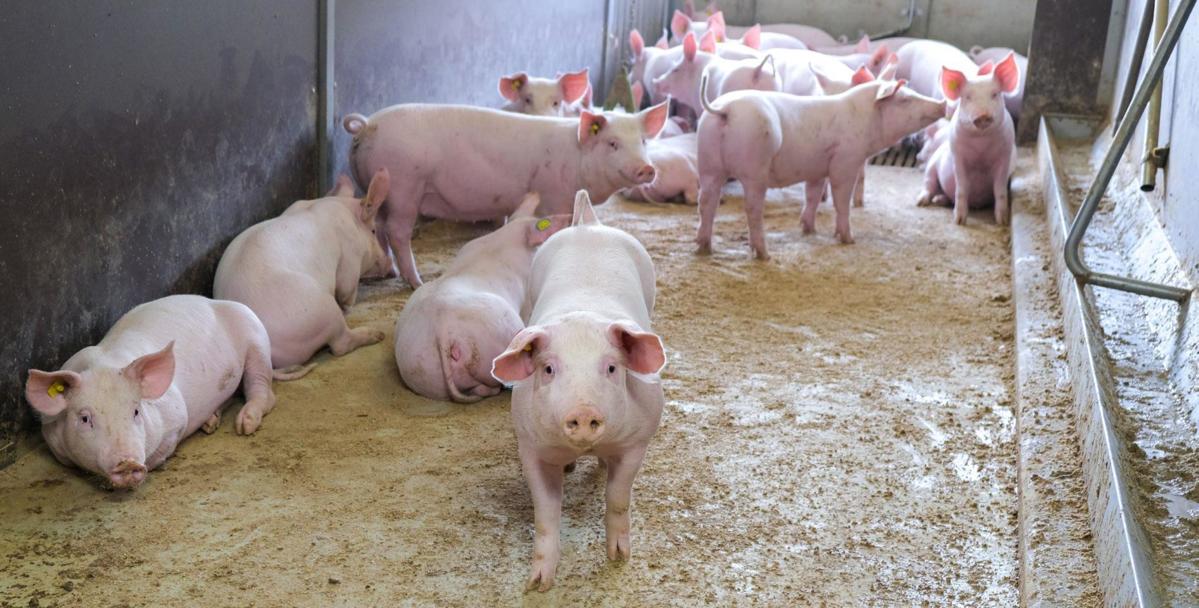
(645, 174)
(583, 425)
(983, 121)
(128, 474)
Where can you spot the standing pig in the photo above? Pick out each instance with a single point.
(972, 167)
(586, 378)
(453, 328)
(299, 271)
(650, 63)
(724, 75)
(1015, 100)
(772, 140)
(561, 96)
(677, 171)
(121, 407)
(473, 164)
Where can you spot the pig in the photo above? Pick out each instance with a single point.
(474, 164)
(677, 176)
(585, 372)
(166, 368)
(561, 96)
(865, 45)
(841, 80)
(920, 62)
(724, 75)
(650, 63)
(973, 165)
(451, 329)
(1015, 100)
(875, 61)
(298, 271)
(770, 140)
(755, 38)
(811, 37)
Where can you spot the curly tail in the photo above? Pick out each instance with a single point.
(353, 123)
(445, 344)
(703, 98)
(292, 372)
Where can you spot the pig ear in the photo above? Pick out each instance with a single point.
(516, 363)
(590, 124)
(951, 83)
(891, 67)
(584, 213)
(888, 88)
(662, 43)
(545, 227)
(708, 43)
(574, 85)
(753, 37)
(153, 372)
(679, 23)
(376, 194)
(987, 67)
(343, 187)
(638, 94)
(717, 18)
(689, 46)
(863, 45)
(510, 86)
(879, 55)
(1008, 74)
(654, 118)
(528, 206)
(636, 42)
(861, 76)
(643, 351)
(45, 390)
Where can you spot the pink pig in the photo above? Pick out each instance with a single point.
(298, 271)
(771, 140)
(973, 165)
(473, 164)
(724, 75)
(811, 37)
(1015, 100)
(566, 95)
(650, 63)
(920, 62)
(165, 370)
(451, 329)
(586, 376)
(677, 171)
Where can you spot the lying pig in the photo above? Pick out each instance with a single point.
(973, 165)
(771, 140)
(866, 46)
(585, 372)
(724, 75)
(473, 164)
(1015, 100)
(451, 329)
(121, 407)
(561, 96)
(298, 271)
(650, 63)
(677, 171)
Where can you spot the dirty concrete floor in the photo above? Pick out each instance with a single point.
(838, 431)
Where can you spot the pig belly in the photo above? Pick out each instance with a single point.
(299, 316)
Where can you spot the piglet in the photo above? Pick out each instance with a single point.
(300, 270)
(165, 370)
(586, 375)
(561, 96)
(973, 165)
(676, 171)
(451, 329)
(771, 140)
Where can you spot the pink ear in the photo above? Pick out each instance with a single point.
(708, 44)
(638, 94)
(753, 37)
(376, 195)
(343, 187)
(951, 83)
(590, 124)
(879, 56)
(662, 43)
(574, 85)
(716, 18)
(510, 86)
(1008, 74)
(516, 363)
(45, 390)
(636, 42)
(863, 45)
(862, 75)
(891, 68)
(987, 67)
(643, 350)
(153, 372)
(653, 118)
(545, 227)
(689, 46)
(679, 23)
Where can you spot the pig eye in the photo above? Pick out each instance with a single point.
(549, 370)
(614, 144)
(136, 412)
(529, 100)
(611, 368)
(556, 103)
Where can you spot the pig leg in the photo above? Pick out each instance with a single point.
(961, 202)
(403, 202)
(384, 242)
(347, 340)
(859, 190)
(213, 423)
(619, 494)
(813, 190)
(709, 199)
(545, 484)
(999, 187)
(842, 192)
(256, 384)
(691, 194)
(933, 194)
(755, 201)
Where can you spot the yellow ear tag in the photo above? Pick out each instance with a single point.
(529, 347)
(953, 86)
(516, 84)
(595, 128)
(56, 389)
(543, 224)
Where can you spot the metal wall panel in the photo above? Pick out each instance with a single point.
(138, 138)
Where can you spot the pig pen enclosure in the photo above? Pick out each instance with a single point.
(901, 421)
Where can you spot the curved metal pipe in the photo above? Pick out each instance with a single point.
(1138, 58)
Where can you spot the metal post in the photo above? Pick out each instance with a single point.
(1124, 133)
(1138, 58)
(324, 92)
(1150, 160)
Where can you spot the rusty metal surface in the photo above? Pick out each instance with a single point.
(137, 140)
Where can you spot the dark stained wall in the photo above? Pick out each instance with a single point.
(137, 139)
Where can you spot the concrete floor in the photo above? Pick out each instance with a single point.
(839, 430)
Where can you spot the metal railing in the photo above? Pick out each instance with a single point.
(1127, 125)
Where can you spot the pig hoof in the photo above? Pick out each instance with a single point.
(248, 422)
(542, 576)
(704, 249)
(212, 424)
(845, 238)
(618, 547)
(761, 255)
(941, 200)
(809, 228)
(959, 219)
(376, 336)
